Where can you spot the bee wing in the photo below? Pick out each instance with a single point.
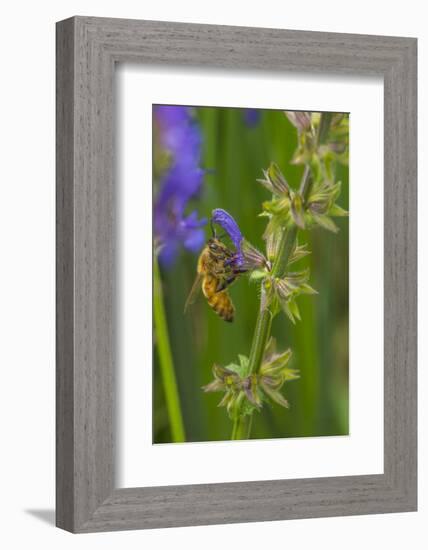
(193, 292)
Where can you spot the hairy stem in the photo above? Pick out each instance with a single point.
(165, 359)
(261, 335)
(242, 425)
(305, 183)
(285, 249)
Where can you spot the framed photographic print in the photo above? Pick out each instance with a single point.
(236, 274)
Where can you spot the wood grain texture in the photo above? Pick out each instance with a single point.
(64, 277)
(87, 50)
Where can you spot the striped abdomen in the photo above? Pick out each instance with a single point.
(219, 301)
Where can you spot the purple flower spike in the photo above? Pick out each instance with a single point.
(185, 232)
(180, 136)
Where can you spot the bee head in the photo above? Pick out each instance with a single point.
(214, 244)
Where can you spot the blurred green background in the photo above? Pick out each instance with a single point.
(235, 153)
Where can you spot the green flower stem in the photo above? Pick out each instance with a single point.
(242, 425)
(285, 249)
(261, 335)
(324, 127)
(165, 359)
(305, 183)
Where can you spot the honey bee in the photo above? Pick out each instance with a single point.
(214, 275)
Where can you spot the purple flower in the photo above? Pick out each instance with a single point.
(181, 138)
(225, 220)
(252, 117)
(173, 233)
(247, 256)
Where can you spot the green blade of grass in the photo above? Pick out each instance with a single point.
(165, 359)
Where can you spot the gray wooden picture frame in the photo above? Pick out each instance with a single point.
(87, 51)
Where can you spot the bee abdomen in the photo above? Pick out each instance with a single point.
(222, 305)
(219, 301)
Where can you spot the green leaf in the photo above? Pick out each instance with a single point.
(221, 372)
(296, 279)
(277, 206)
(294, 309)
(307, 289)
(241, 369)
(279, 361)
(276, 364)
(214, 386)
(290, 374)
(337, 211)
(236, 369)
(324, 195)
(257, 275)
(243, 361)
(286, 308)
(325, 222)
(276, 396)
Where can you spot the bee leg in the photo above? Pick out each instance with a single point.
(221, 271)
(220, 286)
(225, 283)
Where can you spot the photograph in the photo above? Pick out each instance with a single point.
(210, 275)
(250, 273)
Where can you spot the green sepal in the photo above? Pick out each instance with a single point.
(298, 253)
(297, 211)
(291, 309)
(337, 211)
(238, 369)
(276, 396)
(325, 222)
(279, 183)
(274, 181)
(307, 289)
(243, 362)
(258, 275)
